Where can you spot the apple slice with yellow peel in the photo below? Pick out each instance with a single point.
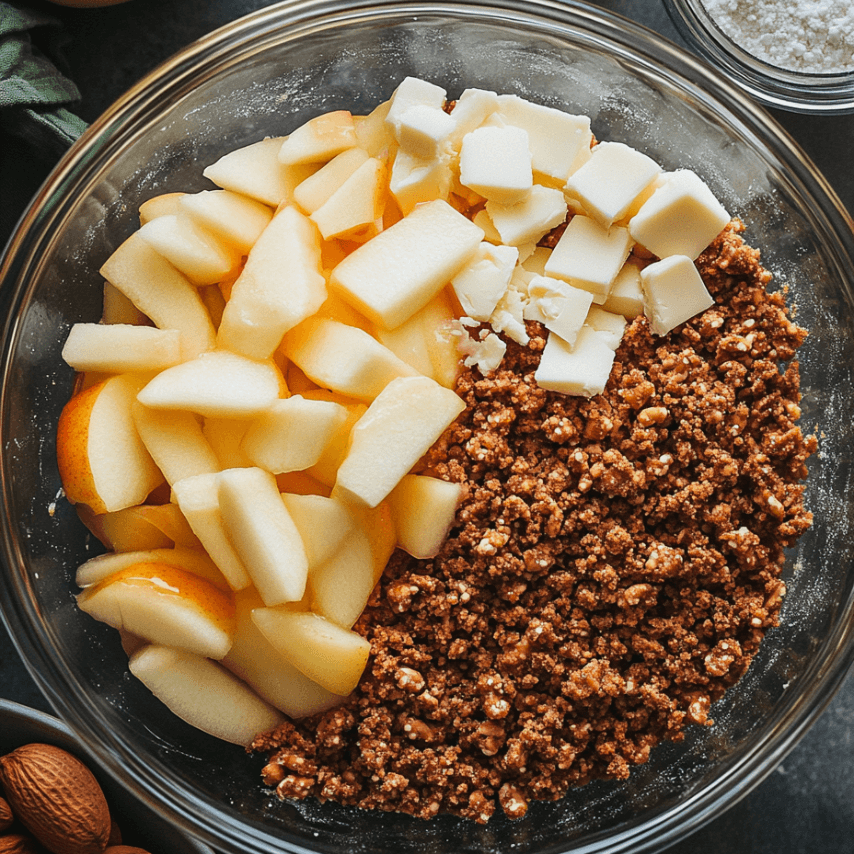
(234, 218)
(145, 526)
(343, 358)
(203, 693)
(319, 139)
(96, 569)
(164, 604)
(157, 206)
(218, 384)
(279, 287)
(328, 654)
(263, 534)
(254, 660)
(175, 441)
(102, 461)
(292, 433)
(423, 509)
(121, 348)
(407, 417)
(161, 292)
(198, 499)
(323, 524)
(340, 586)
(255, 171)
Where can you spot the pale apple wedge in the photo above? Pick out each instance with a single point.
(121, 348)
(292, 434)
(234, 218)
(351, 212)
(255, 171)
(340, 586)
(317, 188)
(319, 139)
(175, 441)
(326, 468)
(372, 132)
(323, 524)
(198, 499)
(218, 384)
(343, 358)
(164, 604)
(423, 509)
(328, 654)
(167, 203)
(96, 569)
(338, 309)
(378, 524)
(224, 435)
(146, 526)
(407, 417)
(280, 286)
(162, 293)
(102, 461)
(253, 659)
(263, 534)
(198, 253)
(203, 693)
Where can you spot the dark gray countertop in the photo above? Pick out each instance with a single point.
(807, 803)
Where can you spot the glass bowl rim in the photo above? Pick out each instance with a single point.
(136, 110)
(830, 93)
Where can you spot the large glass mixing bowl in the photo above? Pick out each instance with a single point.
(265, 75)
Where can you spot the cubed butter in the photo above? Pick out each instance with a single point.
(611, 180)
(423, 130)
(482, 282)
(682, 217)
(496, 163)
(473, 107)
(580, 370)
(412, 92)
(626, 294)
(612, 326)
(589, 256)
(538, 212)
(674, 292)
(417, 179)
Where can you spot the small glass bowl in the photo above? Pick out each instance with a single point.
(795, 91)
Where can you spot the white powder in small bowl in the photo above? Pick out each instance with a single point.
(810, 36)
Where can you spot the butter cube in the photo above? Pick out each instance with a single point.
(626, 294)
(401, 269)
(559, 141)
(412, 92)
(423, 129)
(674, 292)
(589, 256)
(483, 220)
(496, 162)
(612, 326)
(482, 282)
(536, 261)
(580, 370)
(558, 306)
(611, 180)
(415, 179)
(486, 353)
(539, 211)
(571, 317)
(473, 107)
(682, 217)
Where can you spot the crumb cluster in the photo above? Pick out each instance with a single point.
(614, 566)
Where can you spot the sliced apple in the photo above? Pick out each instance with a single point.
(120, 348)
(323, 524)
(280, 286)
(203, 693)
(372, 132)
(335, 308)
(164, 604)
(407, 417)
(119, 309)
(343, 358)
(378, 523)
(175, 441)
(161, 292)
(145, 526)
(202, 257)
(351, 212)
(423, 509)
(96, 569)
(224, 435)
(102, 461)
(254, 660)
(319, 139)
(296, 379)
(328, 654)
(292, 434)
(263, 534)
(317, 188)
(198, 499)
(218, 384)
(390, 277)
(326, 468)
(232, 217)
(167, 203)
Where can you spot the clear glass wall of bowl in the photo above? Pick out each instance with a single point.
(265, 76)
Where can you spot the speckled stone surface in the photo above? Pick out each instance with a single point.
(804, 806)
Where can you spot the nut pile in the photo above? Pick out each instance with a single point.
(52, 802)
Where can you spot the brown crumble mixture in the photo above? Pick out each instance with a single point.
(614, 567)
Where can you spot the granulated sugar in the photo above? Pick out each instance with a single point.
(811, 36)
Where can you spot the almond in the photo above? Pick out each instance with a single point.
(6, 816)
(17, 843)
(57, 798)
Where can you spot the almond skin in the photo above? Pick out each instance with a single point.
(57, 798)
(6, 815)
(17, 843)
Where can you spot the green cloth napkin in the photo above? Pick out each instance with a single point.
(33, 92)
